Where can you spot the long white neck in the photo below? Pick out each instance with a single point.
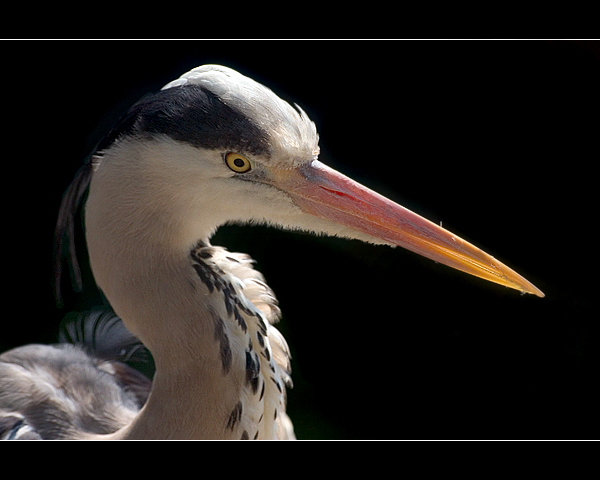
(200, 311)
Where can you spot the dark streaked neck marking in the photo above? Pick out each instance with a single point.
(194, 115)
(215, 279)
(235, 318)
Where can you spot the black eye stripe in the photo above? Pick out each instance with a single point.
(189, 114)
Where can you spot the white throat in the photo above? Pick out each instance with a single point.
(203, 312)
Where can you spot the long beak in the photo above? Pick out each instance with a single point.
(321, 191)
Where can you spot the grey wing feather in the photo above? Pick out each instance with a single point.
(65, 391)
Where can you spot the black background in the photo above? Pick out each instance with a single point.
(497, 139)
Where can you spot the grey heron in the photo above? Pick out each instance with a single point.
(212, 147)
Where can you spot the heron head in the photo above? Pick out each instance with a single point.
(226, 149)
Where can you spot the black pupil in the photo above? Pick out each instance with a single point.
(238, 162)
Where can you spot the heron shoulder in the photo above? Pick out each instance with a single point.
(60, 391)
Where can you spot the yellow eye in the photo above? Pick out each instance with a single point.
(238, 163)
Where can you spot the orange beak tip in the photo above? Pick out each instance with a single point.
(321, 191)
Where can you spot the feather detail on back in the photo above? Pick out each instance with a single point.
(68, 391)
